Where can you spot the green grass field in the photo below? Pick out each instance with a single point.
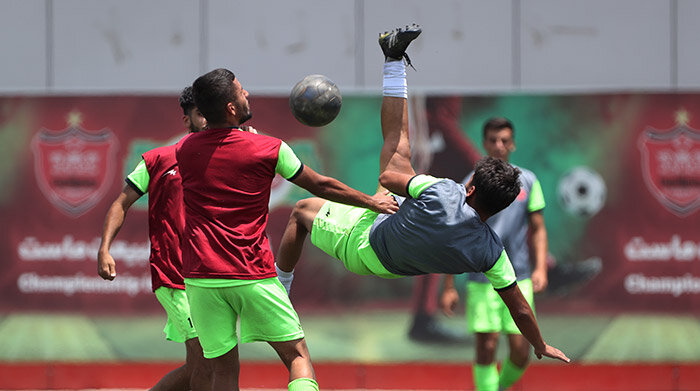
(367, 336)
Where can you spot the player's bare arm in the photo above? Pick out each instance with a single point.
(114, 220)
(525, 320)
(396, 182)
(538, 244)
(449, 298)
(334, 190)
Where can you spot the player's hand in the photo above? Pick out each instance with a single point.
(552, 352)
(249, 129)
(539, 280)
(384, 203)
(448, 301)
(106, 267)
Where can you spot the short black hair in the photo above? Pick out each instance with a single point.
(212, 93)
(496, 184)
(187, 100)
(498, 123)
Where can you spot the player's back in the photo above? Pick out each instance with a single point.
(438, 232)
(166, 219)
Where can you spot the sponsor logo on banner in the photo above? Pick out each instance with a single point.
(74, 168)
(671, 166)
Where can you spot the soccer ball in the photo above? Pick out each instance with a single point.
(315, 100)
(582, 192)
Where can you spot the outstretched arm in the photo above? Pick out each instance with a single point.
(525, 320)
(114, 220)
(335, 190)
(538, 244)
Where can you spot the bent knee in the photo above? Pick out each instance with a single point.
(306, 207)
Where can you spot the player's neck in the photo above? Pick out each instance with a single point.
(224, 125)
(482, 215)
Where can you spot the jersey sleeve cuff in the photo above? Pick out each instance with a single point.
(408, 186)
(296, 174)
(134, 187)
(506, 287)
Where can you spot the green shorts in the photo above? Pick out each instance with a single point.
(342, 231)
(179, 326)
(263, 306)
(486, 312)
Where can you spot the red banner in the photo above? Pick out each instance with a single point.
(620, 175)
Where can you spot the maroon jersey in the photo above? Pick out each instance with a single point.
(226, 180)
(166, 219)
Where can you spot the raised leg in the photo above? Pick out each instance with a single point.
(396, 150)
(299, 226)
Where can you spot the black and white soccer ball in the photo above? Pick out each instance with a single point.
(582, 192)
(315, 100)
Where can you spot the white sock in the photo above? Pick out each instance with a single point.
(395, 79)
(285, 278)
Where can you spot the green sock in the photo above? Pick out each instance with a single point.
(303, 384)
(486, 377)
(510, 373)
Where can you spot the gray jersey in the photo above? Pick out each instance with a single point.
(511, 224)
(435, 232)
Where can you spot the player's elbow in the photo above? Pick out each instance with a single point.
(385, 179)
(521, 315)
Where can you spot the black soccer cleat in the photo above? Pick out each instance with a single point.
(395, 42)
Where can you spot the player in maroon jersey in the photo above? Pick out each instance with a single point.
(158, 175)
(228, 265)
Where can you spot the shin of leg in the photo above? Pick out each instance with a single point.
(295, 356)
(199, 368)
(486, 344)
(519, 350)
(396, 151)
(514, 367)
(226, 369)
(299, 226)
(177, 379)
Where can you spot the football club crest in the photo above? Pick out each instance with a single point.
(74, 168)
(671, 166)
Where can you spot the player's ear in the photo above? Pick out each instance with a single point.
(470, 189)
(186, 121)
(231, 109)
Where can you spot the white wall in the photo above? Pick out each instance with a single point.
(468, 46)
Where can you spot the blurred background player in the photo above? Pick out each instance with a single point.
(157, 174)
(487, 316)
(439, 228)
(443, 143)
(228, 265)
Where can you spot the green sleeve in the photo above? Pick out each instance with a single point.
(419, 183)
(536, 201)
(139, 178)
(501, 274)
(288, 164)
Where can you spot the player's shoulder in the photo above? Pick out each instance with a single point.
(159, 152)
(491, 244)
(261, 137)
(527, 176)
(429, 186)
